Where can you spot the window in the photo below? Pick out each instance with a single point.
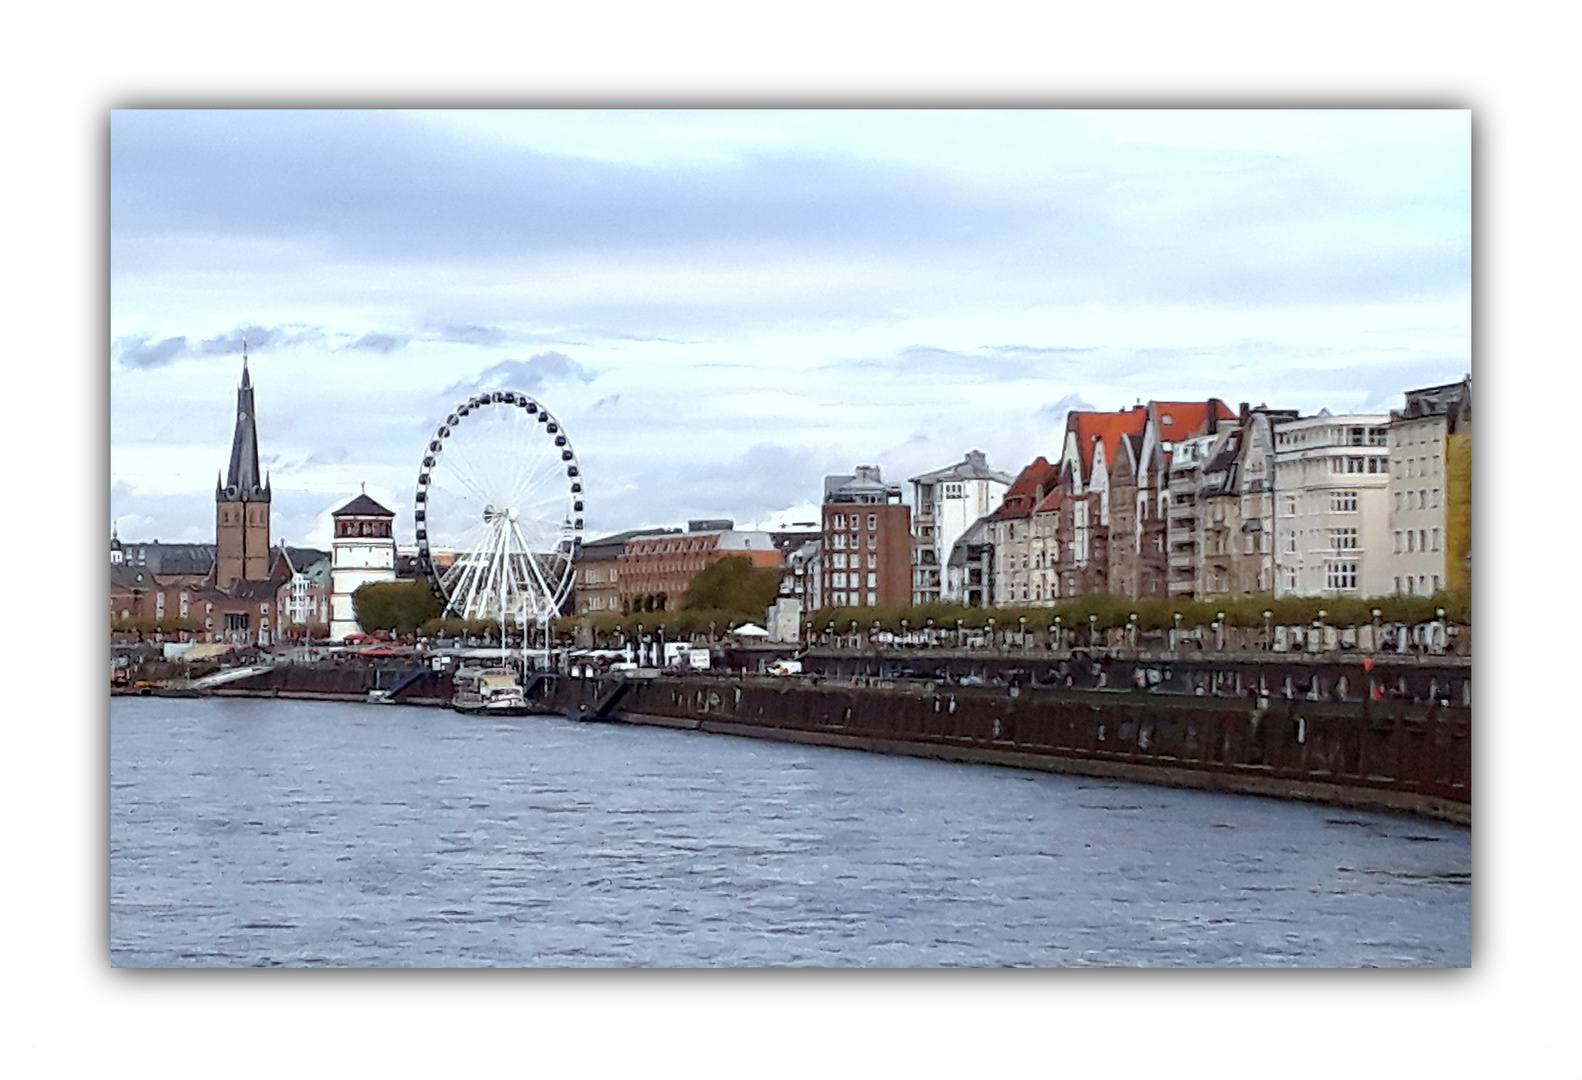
(840, 540)
(236, 620)
(1399, 544)
(1343, 502)
(954, 491)
(1435, 500)
(1411, 541)
(1397, 502)
(838, 561)
(873, 599)
(1436, 542)
(1354, 464)
(1422, 499)
(1343, 539)
(873, 561)
(1288, 573)
(1378, 436)
(1289, 509)
(873, 580)
(1356, 436)
(1340, 575)
(873, 521)
(1290, 543)
(1422, 539)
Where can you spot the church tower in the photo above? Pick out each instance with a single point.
(241, 523)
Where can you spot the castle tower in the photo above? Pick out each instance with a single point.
(241, 521)
(364, 553)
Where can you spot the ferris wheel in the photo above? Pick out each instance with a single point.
(499, 510)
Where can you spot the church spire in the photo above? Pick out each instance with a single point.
(241, 479)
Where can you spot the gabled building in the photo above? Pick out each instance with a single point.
(1022, 555)
(1111, 523)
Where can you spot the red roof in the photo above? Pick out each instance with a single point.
(1107, 427)
(1023, 494)
(1187, 418)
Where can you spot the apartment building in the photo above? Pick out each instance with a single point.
(945, 503)
(1332, 521)
(866, 548)
(1420, 499)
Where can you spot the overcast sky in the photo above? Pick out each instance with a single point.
(722, 307)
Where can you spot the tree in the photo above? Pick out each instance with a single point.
(733, 584)
(398, 606)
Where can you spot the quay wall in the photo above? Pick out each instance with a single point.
(1373, 754)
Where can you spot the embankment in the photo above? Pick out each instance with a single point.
(1387, 755)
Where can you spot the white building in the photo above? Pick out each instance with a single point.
(945, 503)
(364, 552)
(1332, 520)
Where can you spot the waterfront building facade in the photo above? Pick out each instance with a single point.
(1332, 520)
(655, 570)
(598, 575)
(945, 502)
(1421, 504)
(363, 553)
(1024, 556)
(866, 547)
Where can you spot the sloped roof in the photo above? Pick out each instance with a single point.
(975, 466)
(1023, 496)
(1107, 428)
(1187, 418)
(362, 504)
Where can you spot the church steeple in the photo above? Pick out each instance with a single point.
(242, 510)
(241, 480)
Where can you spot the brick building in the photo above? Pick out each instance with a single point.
(866, 550)
(653, 572)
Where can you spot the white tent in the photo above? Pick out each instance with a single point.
(750, 630)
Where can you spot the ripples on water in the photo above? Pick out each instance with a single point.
(250, 832)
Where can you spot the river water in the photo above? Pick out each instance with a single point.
(252, 832)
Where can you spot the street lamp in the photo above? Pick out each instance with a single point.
(1268, 629)
(1093, 630)
(1057, 629)
(958, 632)
(989, 626)
(1175, 634)
(1376, 614)
(1131, 628)
(1219, 631)
(1021, 623)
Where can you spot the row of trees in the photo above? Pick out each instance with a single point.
(1109, 612)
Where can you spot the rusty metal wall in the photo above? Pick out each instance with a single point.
(1420, 754)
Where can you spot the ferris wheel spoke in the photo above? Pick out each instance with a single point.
(499, 495)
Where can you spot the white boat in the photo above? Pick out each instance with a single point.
(494, 691)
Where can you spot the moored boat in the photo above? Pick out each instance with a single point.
(488, 690)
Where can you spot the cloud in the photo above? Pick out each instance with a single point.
(1055, 412)
(137, 352)
(530, 374)
(380, 343)
(612, 400)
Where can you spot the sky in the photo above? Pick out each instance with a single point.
(722, 307)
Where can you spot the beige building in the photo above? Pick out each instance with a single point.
(362, 553)
(1418, 490)
(1332, 519)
